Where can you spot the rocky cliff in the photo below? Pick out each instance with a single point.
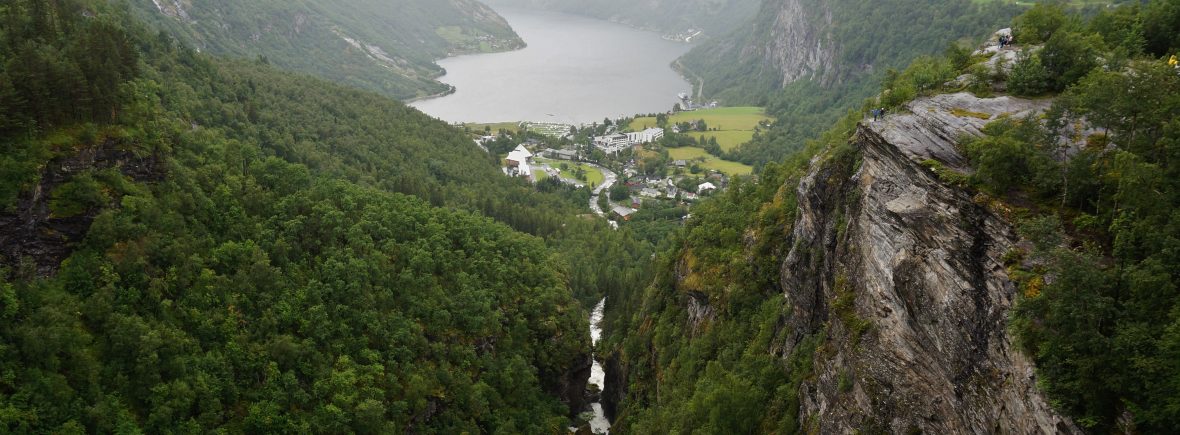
(32, 238)
(833, 43)
(904, 276)
(788, 40)
(796, 43)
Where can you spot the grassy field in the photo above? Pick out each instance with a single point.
(479, 128)
(735, 124)
(710, 161)
(593, 175)
(728, 139)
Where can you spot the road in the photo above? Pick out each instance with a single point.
(608, 180)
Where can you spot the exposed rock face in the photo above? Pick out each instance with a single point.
(904, 275)
(788, 40)
(615, 390)
(32, 233)
(570, 387)
(798, 44)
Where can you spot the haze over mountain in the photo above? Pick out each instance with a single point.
(715, 18)
(387, 46)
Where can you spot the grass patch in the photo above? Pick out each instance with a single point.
(964, 113)
(709, 161)
(845, 308)
(727, 139)
(735, 124)
(594, 176)
(945, 174)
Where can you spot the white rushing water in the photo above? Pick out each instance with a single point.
(599, 424)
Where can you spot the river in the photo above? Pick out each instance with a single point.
(575, 70)
(599, 424)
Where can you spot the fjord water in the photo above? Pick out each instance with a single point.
(574, 70)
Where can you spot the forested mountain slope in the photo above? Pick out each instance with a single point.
(997, 254)
(231, 247)
(715, 18)
(809, 61)
(388, 46)
(832, 42)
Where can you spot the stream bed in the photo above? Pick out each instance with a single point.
(599, 424)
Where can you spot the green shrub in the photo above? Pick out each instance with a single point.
(79, 195)
(1029, 77)
(1039, 23)
(1069, 56)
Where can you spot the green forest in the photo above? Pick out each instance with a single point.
(304, 257)
(1098, 305)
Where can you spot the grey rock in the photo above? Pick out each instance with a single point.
(921, 262)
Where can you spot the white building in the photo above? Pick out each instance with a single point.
(646, 136)
(519, 162)
(612, 143)
(706, 187)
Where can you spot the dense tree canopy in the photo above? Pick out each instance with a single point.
(308, 258)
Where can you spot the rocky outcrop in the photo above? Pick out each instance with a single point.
(30, 233)
(615, 390)
(903, 276)
(570, 387)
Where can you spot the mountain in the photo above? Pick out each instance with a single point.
(194, 244)
(995, 254)
(810, 61)
(831, 42)
(713, 18)
(383, 46)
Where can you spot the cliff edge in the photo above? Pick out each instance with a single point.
(904, 276)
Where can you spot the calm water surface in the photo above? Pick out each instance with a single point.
(574, 70)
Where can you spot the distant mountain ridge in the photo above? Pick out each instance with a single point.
(713, 18)
(831, 42)
(383, 46)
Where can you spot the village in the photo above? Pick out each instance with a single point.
(631, 165)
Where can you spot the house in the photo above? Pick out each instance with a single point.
(519, 157)
(519, 163)
(706, 187)
(623, 212)
(680, 163)
(649, 192)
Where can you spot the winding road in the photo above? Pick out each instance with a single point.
(608, 180)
